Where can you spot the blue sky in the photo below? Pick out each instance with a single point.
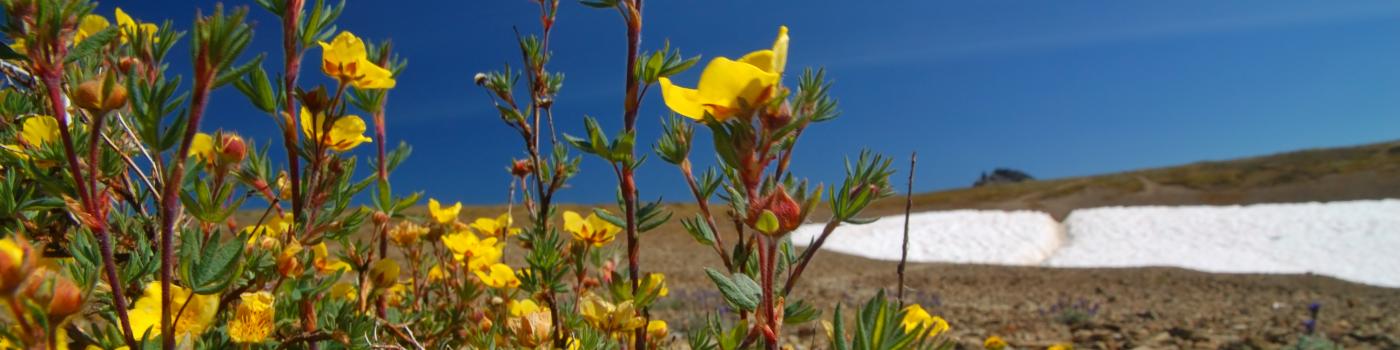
(1055, 88)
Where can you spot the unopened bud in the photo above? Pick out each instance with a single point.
(479, 79)
(521, 167)
(380, 218)
(90, 96)
(67, 299)
(777, 118)
(497, 301)
(384, 273)
(232, 149)
(785, 209)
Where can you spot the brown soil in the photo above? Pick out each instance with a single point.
(1150, 308)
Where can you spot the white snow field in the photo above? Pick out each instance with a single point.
(962, 236)
(1356, 240)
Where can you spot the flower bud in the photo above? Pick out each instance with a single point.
(90, 95)
(521, 167)
(232, 149)
(479, 79)
(784, 208)
(777, 118)
(380, 218)
(67, 299)
(384, 273)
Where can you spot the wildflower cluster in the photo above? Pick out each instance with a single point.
(127, 224)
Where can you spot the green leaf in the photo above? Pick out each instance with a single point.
(211, 268)
(609, 217)
(91, 44)
(742, 294)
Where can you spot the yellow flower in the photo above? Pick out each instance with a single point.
(525, 306)
(656, 330)
(994, 343)
(129, 26)
(477, 253)
(406, 234)
(724, 83)
(38, 130)
(195, 318)
(344, 59)
(89, 26)
(325, 262)
(443, 215)
(915, 316)
(593, 230)
(498, 276)
(1061, 346)
(347, 132)
(498, 227)
(394, 295)
(656, 282)
(254, 319)
(610, 318)
(344, 290)
(274, 227)
(202, 147)
(436, 274)
(530, 323)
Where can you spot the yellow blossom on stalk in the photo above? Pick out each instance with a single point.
(202, 147)
(344, 290)
(89, 26)
(254, 319)
(325, 262)
(498, 227)
(443, 215)
(724, 83)
(128, 25)
(915, 316)
(498, 276)
(657, 330)
(593, 230)
(38, 130)
(395, 295)
(436, 274)
(345, 134)
(994, 343)
(608, 317)
(477, 253)
(195, 317)
(656, 282)
(345, 59)
(273, 227)
(406, 234)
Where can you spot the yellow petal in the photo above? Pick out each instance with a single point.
(38, 130)
(347, 133)
(684, 101)
(346, 48)
(91, 24)
(573, 222)
(443, 215)
(780, 51)
(372, 76)
(203, 147)
(763, 59)
(725, 82)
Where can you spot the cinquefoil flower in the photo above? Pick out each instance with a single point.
(915, 316)
(498, 227)
(192, 319)
(441, 214)
(347, 132)
(254, 319)
(344, 59)
(593, 230)
(724, 83)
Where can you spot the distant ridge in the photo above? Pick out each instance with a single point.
(1369, 171)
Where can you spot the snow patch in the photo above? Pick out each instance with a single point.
(961, 236)
(1356, 240)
